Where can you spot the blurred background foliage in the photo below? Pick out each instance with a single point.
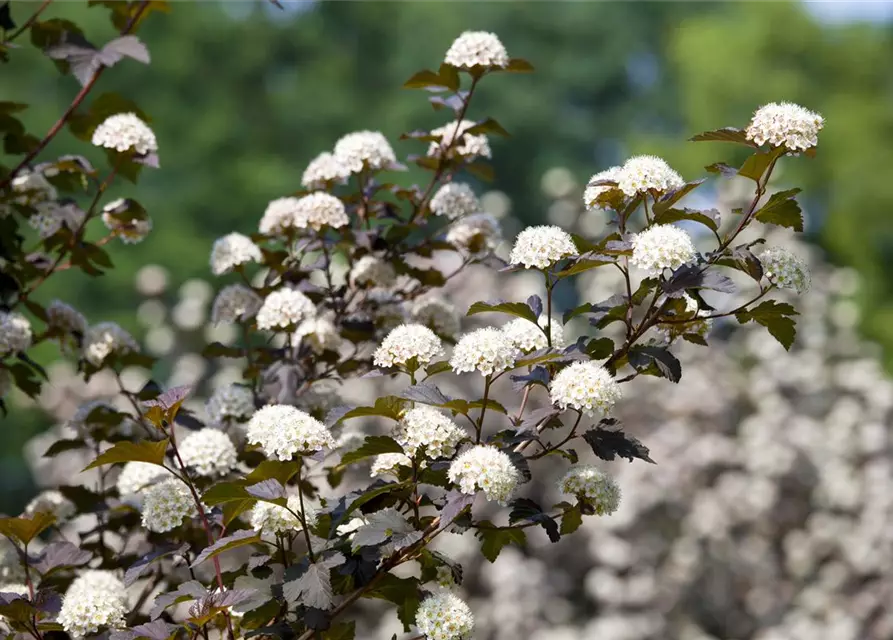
(241, 95)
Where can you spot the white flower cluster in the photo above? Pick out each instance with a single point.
(485, 468)
(455, 200)
(283, 431)
(365, 149)
(591, 192)
(319, 333)
(647, 174)
(228, 403)
(95, 599)
(661, 247)
(456, 142)
(388, 463)
(785, 124)
(373, 271)
(527, 336)
(785, 270)
(271, 519)
(477, 49)
(444, 616)
(125, 132)
(406, 342)
(15, 333)
(283, 309)
(81, 421)
(65, 318)
(586, 387)
(50, 217)
(598, 488)
(323, 169)
(428, 429)
(105, 339)
(542, 246)
(130, 230)
(487, 350)
(136, 477)
(320, 209)
(279, 215)
(165, 504)
(53, 502)
(232, 250)
(33, 187)
(235, 303)
(209, 451)
(476, 234)
(436, 314)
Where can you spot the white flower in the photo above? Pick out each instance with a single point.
(477, 49)
(53, 502)
(668, 332)
(594, 191)
(454, 139)
(444, 616)
(230, 403)
(599, 489)
(319, 210)
(320, 334)
(136, 477)
(50, 217)
(279, 215)
(232, 250)
(436, 314)
(15, 333)
(785, 270)
(455, 200)
(486, 350)
(209, 451)
(428, 429)
(444, 577)
(105, 339)
(406, 342)
(283, 431)
(368, 149)
(165, 504)
(370, 270)
(785, 124)
(324, 168)
(284, 308)
(660, 247)
(125, 132)
(485, 468)
(644, 174)
(387, 463)
(476, 234)
(95, 599)
(271, 519)
(65, 318)
(33, 187)
(126, 220)
(10, 563)
(350, 440)
(541, 247)
(235, 303)
(529, 337)
(585, 386)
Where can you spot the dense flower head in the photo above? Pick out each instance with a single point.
(591, 192)
(279, 215)
(65, 318)
(785, 270)
(455, 200)
(283, 431)
(105, 339)
(369, 149)
(95, 599)
(320, 209)
(232, 250)
(455, 142)
(50, 217)
(598, 488)
(229, 403)
(209, 451)
(136, 477)
(487, 350)
(165, 504)
(477, 49)
(528, 337)
(586, 387)
(127, 222)
(542, 246)
(319, 333)
(485, 468)
(475, 234)
(436, 314)
(271, 519)
(125, 132)
(284, 308)
(388, 463)
(372, 270)
(235, 303)
(431, 431)
(785, 124)
(323, 169)
(444, 616)
(15, 333)
(53, 502)
(660, 247)
(644, 174)
(406, 342)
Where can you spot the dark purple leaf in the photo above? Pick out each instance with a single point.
(59, 555)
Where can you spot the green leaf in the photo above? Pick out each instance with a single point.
(493, 540)
(142, 451)
(234, 541)
(571, 520)
(387, 407)
(776, 317)
(272, 470)
(404, 592)
(709, 218)
(519, 65)
(755, 166)
(675, 196)
(61, 446)
(341, 631)
(449, 76)
(726, 134)
(26, 529)
(422, 79)
(782, 210)
(488, 126)
(373, 446)
(517, 309)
